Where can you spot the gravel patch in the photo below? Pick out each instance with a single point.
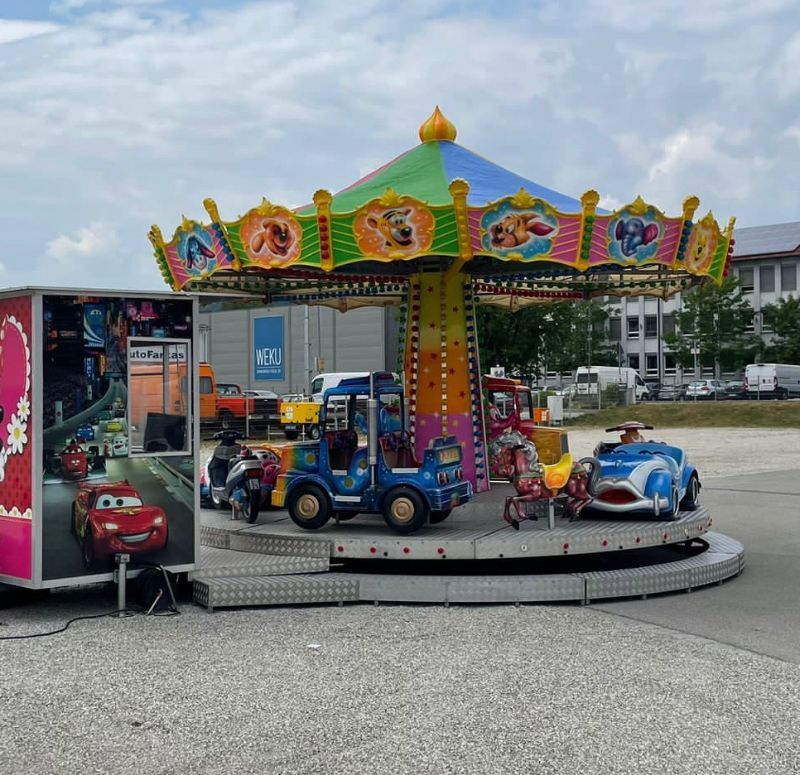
(715, 451)
(394, 689)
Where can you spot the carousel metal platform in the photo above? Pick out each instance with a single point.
(472, 557)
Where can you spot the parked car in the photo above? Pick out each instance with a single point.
(672, 392)
(736, 389)
(260, 393)
(566, 390)
(654, 387)
(110, 517)
(705, 389)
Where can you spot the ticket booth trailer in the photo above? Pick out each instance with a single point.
(98, 439)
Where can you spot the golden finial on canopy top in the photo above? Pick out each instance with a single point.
(437, 127)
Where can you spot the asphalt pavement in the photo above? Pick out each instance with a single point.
(707, 682)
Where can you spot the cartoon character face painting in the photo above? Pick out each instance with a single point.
(197, 254)
(519, 227)
(702, 245)
(15, 407)
(515, 230)
(394, 226)
(271, 236)
(195, 250)
(633, 233)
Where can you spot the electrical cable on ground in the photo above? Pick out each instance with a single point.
(124, 614)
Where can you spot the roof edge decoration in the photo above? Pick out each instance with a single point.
(390, 230)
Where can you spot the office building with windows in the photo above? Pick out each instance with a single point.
(766, 260)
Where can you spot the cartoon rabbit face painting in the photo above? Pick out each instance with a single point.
(15, 382)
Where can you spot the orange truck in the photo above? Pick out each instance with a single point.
(225, 401)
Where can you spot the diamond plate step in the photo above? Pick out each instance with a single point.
(245, 541)
(275, 590)
(219, 563)
(215, 536)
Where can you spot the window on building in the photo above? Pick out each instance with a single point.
(750, 324)
(615, 329)
(788, 277)
(650, 364)
(670, 364)
(667, 324)
(650, 326)
(746, 278)
(633, 362)
(767, 277)
(633, 328)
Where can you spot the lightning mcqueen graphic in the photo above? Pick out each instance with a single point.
(110, 517)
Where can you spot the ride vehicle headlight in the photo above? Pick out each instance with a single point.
(110, 526)
(158, 520)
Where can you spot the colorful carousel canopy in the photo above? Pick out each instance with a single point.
(442, 207)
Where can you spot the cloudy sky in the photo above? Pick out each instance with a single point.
(115, 114)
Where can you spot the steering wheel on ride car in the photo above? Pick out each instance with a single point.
(345, 440)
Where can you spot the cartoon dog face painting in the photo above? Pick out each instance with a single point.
(519, 227)
(274, 237)
(271, 236)
(516, 229)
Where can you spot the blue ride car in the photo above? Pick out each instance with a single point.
(641, 478)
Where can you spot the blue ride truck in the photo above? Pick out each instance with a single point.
(343, 474)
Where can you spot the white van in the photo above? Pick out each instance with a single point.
(588, 379)
(772, 380)
(323, 382)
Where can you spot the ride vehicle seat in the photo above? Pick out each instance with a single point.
(341, 447)
(397, 451)
(674, 457)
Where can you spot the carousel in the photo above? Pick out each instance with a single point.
(435, 232)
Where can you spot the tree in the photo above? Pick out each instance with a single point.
(559, 336)
(783, 319)
(715, 319)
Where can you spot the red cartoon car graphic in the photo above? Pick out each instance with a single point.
(110, 517)
(74, 462)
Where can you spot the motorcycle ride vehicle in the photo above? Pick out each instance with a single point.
(234, 474)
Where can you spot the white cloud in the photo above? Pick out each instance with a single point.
(12, 30)
(786, 70)
(92, 241)
(793, 132)
(610, 203)
(692, 15)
